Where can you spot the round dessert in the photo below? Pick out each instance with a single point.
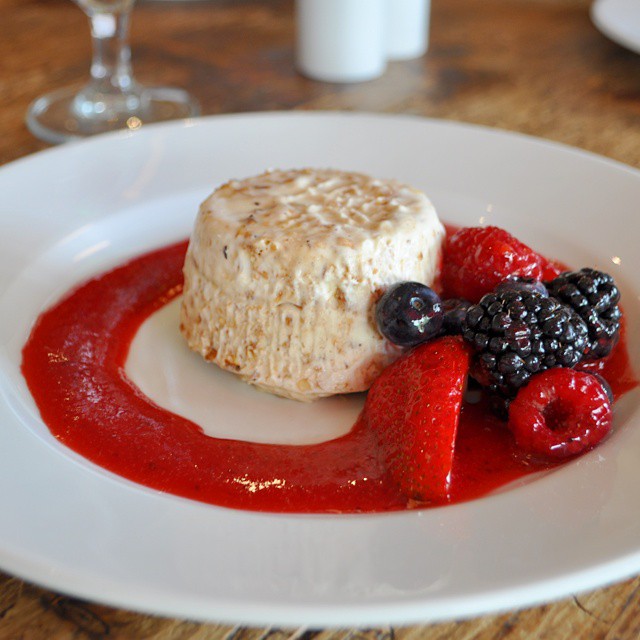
(283, 271)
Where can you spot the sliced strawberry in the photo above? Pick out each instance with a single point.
(414, 407)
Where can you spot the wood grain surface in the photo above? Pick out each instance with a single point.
(534, 66)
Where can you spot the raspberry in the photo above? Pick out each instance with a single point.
(594, 296)
(519, 333)
(560, 413)
(551, 269)
(477, 259)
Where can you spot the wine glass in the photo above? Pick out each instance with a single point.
(112, 99)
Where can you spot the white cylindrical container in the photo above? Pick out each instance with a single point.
(407, 28)
(341, 40)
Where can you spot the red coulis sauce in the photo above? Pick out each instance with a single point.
(74, 364)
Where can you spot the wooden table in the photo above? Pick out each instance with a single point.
(534, 66)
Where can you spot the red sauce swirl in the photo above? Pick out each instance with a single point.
(74, 365)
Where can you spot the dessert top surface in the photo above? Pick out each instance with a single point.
(314, 204)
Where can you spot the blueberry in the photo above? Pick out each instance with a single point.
(515, 283)
(455, 310)
(409, 313)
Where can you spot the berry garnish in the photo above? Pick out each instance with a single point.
(519, 333)
(551, 269)
(409, 313)
(414, 407)
(477, 259)
(515, 283)
(455, 309)
(560, 413)
(594, 296)
(605, 385)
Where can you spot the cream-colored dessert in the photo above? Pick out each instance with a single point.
(284, 269)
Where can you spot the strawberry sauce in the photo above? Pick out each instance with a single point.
(74, 366)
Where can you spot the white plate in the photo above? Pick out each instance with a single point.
(74, 211)
(619, 20)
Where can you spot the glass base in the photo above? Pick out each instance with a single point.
(57, 117)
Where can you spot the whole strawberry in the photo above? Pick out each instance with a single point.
(477, 259)
(414, 408)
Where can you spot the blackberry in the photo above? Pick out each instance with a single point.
(515, 283)
(519, 333)
(455, 310)
(594, 296)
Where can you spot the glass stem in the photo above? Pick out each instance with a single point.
(112, 94)
(111, 63)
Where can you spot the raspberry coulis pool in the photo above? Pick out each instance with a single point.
(74, 365)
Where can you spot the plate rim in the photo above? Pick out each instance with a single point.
(408, 611)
